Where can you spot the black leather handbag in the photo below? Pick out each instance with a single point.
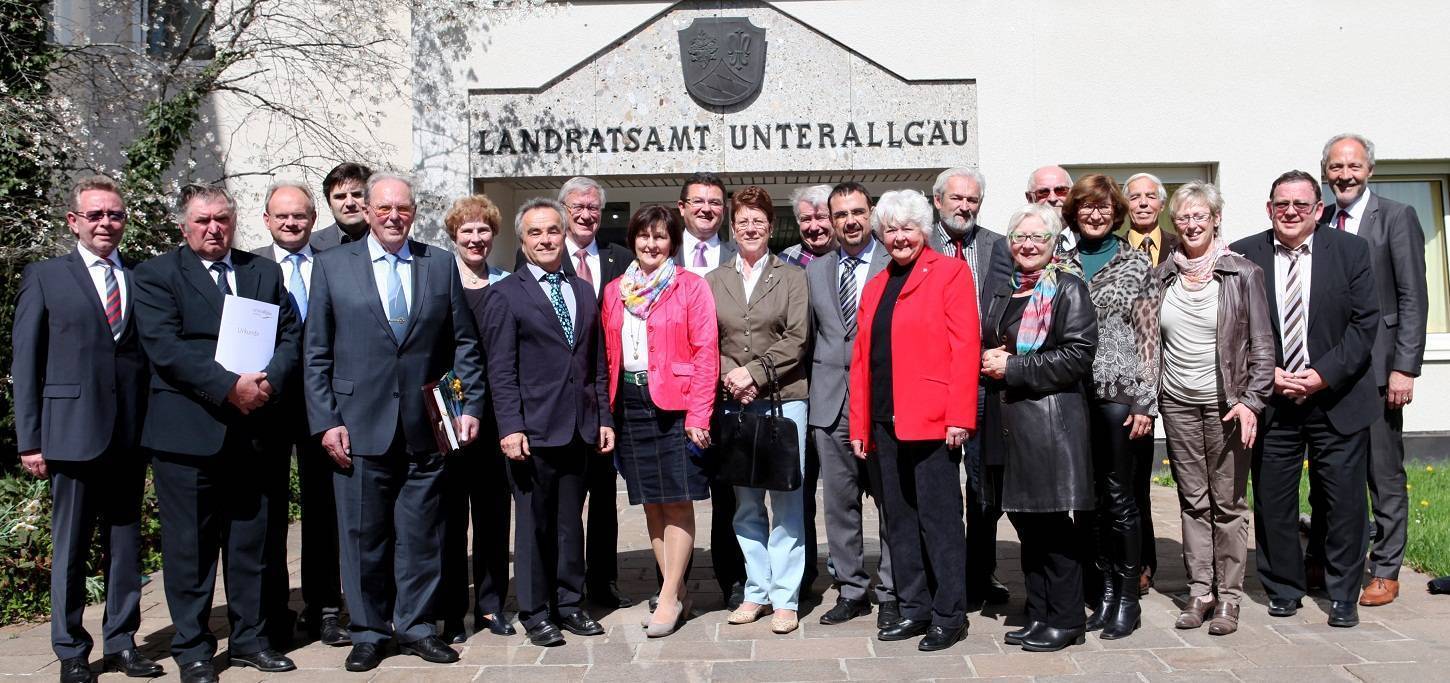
(759, 451)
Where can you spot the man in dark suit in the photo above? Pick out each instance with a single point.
(1321, 295)
(549, 379)
(1397, 252)
(79, 381)
(958, 194)
(385, 316)
(289, 216)
(702, 207)
(343, 189)
(209, 430)
(836, 280)
(597, 265)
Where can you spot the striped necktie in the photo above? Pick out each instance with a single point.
(113, 300)
(1296, 357)
(847, 292)
(221, 278)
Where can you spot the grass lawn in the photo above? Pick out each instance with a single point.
(1428, 549)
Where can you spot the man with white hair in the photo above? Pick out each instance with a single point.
(813, 218)
(1146, 195)
(958, 194)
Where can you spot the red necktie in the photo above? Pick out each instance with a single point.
(1339, 220)
(582, 270)
(961, 246)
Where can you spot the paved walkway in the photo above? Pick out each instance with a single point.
(1406, 641)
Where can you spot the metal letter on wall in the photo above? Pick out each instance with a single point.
(723, 59)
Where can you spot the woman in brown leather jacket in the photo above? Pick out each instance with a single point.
(1217, 370)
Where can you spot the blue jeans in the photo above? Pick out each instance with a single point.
(773, 545)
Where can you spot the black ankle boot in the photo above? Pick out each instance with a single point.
(1128, 615)
(1107, 604)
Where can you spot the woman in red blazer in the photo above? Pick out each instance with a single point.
(914, 370)
(662, 345)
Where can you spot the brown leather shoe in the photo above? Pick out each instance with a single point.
(1380, 591)
(1194, 612)
(1225, 619)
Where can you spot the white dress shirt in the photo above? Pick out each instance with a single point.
(1355, 213)
(381, 271)
(568, 291)
(755, 271)
(98, 275)
(635, 338)
(712, 250)
(231, 270)
(280, 255)
(591, 257)
(1281, 281)
(861, 269)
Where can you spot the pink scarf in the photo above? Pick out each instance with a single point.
(1196, 273)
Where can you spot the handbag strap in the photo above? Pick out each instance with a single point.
(772, 379)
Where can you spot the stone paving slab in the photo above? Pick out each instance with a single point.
(1406, 641)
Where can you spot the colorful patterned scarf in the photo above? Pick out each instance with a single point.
(1037, 317)
(1196, 273)
(640, 291)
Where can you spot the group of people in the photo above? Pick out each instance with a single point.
(911, 348)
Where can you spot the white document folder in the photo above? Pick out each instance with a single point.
(248, 334)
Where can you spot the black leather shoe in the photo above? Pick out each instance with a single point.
(498, 626)
(845, 610)
(1343, 613)
(1128, 614)
(903, 629)
(941, 638)
(1015, 637)
(1283, 607)
(198, 672)
(546, 634)
(609, 595)
(76, 670)
(270, 661)
(453, 631)
(331, 632)
(986, 592)
(364, 657)
(1104, 608)
(1049, 639)
(132, 663)
(888, 613)
(581, 624)
(430, 649)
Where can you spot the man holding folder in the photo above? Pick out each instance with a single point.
(208, 429)
(385, 316)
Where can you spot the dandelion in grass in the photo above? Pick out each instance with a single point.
(1424, 503)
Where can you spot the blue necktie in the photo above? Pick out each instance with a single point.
(296, 287)
(221, 278)
(397, 304)
(561, 309)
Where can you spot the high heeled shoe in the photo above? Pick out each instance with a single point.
(657, 629)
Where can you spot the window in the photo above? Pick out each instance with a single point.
(1426, 193)
(177, 27)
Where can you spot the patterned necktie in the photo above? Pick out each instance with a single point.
(847, 292)
(296, 287)
(397, 302)
(561, 309)
(113, 300)
(221, 278)
(1295, 357)
(1341, 218)
(700, 256)
(582, 270)
(1146, 246)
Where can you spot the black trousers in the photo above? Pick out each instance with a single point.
(601, 551)
(1051, 568)
(390, 523)
(105, 494)
(810, 479)
(475, 487)
(210, 505)
(982, 518)
(321, 578)
(922, 493)
(1389, 501)
(548, 489)
(1337, 477)
(1142, 454)
(1111, 539)
(276, 589)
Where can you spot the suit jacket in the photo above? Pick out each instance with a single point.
(1397, 252)
(1343, 319)
(995, 261)
(359, 376)
(830, 345)
(684, 351)
(178, 314)
(329, 237)
(727, 252)
(936, 351)
(77, 390)
(774, 323)
(613, 261)
(542, 387)
(293, 407)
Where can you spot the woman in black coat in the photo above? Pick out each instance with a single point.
(1040, 333)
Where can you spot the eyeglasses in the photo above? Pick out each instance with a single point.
(96, 216)
(1282, 206)
(582, 208)
(1038, 238)
(1192, 219)
(1042, 193)
(1088, 209)
(698, 203)
(404, 210)
(758, 223)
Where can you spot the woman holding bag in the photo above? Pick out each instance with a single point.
(763, 315)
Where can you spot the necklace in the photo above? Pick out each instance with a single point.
(634, 334)
(470, 277)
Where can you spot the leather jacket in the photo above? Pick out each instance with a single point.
(1245, 336)
(1035, 421)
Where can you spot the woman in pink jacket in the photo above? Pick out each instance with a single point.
(662, 344)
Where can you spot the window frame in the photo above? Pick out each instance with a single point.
(1437, 345)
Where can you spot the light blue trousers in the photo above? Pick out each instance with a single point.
(773, 544)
